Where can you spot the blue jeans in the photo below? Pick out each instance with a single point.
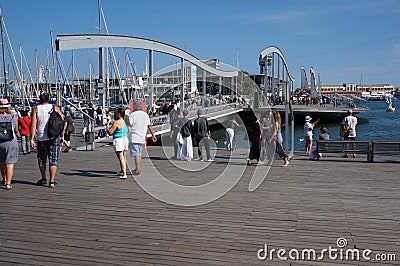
(26, 144)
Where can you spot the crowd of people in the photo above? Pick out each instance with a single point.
(266, 138)
(129, 133)
(349, 122)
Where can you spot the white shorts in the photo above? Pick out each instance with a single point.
(121, 144)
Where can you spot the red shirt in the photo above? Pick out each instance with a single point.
(24, 124)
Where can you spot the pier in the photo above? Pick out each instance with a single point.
(327, 112)
(93, 218)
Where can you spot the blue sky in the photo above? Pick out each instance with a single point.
(341, 39)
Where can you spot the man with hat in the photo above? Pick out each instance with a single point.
(308, 132)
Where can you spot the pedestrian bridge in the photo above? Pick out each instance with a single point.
(194, 77)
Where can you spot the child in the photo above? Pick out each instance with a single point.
(24, 124)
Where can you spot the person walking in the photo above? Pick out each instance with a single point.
(87, 122)
(278, 139)
(351, 121)
(18, 112)
(255, 139)
(308, 132)
(100, 121)
(46, 148)
(70, 128)
(8, 143)
(267, 129)
(174, 121)
(202, 135)
(185, 146)
(230, 133)
(119, 131)
(24, 124)
(139, 124)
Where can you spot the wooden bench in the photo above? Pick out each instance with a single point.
(385, 147)
(346, 146)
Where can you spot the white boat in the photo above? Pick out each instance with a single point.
(390, 107)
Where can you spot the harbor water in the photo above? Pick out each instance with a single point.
(377, 124)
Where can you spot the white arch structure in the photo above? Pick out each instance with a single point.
(273, 49)
(266, 63)
(93, 41)
(86, 41)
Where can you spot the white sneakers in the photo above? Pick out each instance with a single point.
(121, 176)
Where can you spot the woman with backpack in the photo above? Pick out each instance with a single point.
(8, 143)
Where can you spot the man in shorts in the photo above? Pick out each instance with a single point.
(139, 122)
(46, 148)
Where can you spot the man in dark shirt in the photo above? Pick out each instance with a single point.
(202, 134)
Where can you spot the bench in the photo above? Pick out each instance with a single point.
(385, 147)
(346, 146)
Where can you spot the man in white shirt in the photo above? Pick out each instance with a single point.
(139, 122)
(351, 122)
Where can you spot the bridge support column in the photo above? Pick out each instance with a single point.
(182, 84)
(204, 88)
(220, 89)
(273, 79)
(150, 87)
(100, 85)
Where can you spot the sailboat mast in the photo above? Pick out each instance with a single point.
(22, 85)
(100, 87)
(3, 53)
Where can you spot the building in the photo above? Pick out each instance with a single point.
(368, 91)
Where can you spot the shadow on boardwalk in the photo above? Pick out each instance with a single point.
(93, 218)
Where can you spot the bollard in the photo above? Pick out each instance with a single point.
(89, 138)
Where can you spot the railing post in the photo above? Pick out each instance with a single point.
(371, 152)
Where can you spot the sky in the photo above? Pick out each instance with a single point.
(344, 40)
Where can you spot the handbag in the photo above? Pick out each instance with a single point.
(6, 131)
(179, 138)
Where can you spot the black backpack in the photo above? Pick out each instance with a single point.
(55, 125)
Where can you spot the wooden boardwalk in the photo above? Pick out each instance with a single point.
(93, 218)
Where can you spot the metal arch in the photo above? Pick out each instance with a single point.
(274, 49)
(85, 41)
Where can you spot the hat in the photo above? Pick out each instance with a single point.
(308, 118)
(4, 103)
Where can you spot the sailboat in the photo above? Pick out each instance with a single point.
(390, 107)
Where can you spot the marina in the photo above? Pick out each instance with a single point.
(311, 62)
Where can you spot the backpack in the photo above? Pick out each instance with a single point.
(6, 131)
(70, 125)
(55, 125)
(344, 130)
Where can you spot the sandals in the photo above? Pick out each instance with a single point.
(41, 182)
(136, 172)
(8, 186)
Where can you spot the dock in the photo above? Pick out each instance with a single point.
(327, 112)
(93, 218)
